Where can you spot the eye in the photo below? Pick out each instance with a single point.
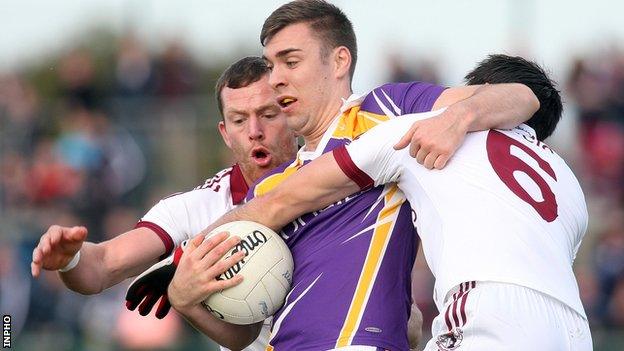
(291, 64)
(269, 115)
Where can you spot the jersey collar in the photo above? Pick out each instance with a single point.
(347, 104)
(527, 129)
(352, 101)
(238, 185)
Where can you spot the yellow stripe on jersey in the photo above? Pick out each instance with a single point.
(356, 122)
(381, 236)
(386, 211)
(270, 182)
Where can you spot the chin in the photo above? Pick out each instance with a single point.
(296, 125)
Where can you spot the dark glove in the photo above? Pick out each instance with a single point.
(152, 285)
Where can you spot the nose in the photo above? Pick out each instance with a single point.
(256, 130)
(276, 77)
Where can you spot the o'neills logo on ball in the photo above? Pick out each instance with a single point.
(248, 244)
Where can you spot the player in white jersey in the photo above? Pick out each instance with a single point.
(256, 132)
(507, 209)
(500, 225)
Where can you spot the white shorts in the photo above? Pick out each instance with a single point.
(500, 316)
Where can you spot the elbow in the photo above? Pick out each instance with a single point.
(81, 289)
(87, 292)
(243, 339)
(234, 346)
(532, 103)
(237, 345)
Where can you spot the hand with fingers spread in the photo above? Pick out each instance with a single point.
(151, 285)
(434, 140)
(56, 248)
(196, 276)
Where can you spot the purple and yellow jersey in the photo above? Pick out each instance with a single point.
(353, 259)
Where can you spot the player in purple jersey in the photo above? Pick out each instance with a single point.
(255, 130)
(344, 255)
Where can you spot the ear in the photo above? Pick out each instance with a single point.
(224, 134)
(342, 61)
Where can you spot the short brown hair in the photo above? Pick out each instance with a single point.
(330, 25)
(240, 74)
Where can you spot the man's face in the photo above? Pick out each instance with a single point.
(303, 80)
(255, 129)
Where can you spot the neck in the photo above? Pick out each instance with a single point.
(327, 115)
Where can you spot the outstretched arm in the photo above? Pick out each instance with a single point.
(101, 265)
(106, 264)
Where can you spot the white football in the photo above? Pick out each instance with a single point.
(267, 269)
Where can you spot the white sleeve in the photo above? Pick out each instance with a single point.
(374, 155)
(165, 219)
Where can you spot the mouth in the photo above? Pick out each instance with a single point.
(261, 156)
(285, 101)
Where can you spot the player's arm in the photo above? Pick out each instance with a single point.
(468, 108)
(313, 187)
(100, 265)
(491, 105)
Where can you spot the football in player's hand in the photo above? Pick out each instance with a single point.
(267, 269)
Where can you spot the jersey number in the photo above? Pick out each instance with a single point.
(505, 164)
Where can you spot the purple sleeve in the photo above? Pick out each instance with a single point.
(402, 98)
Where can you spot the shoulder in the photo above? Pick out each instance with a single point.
(214, 189)
(399, 98)
(218, 182)
(383, 100)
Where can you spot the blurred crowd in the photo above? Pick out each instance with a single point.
(97, 135)
(595, 85)
(88, 138)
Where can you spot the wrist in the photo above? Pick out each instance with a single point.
(176, 303)
(71, 264)
(189, 311)
(465, 115)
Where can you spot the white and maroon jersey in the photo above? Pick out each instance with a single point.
(506, 208)
(182, 216)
